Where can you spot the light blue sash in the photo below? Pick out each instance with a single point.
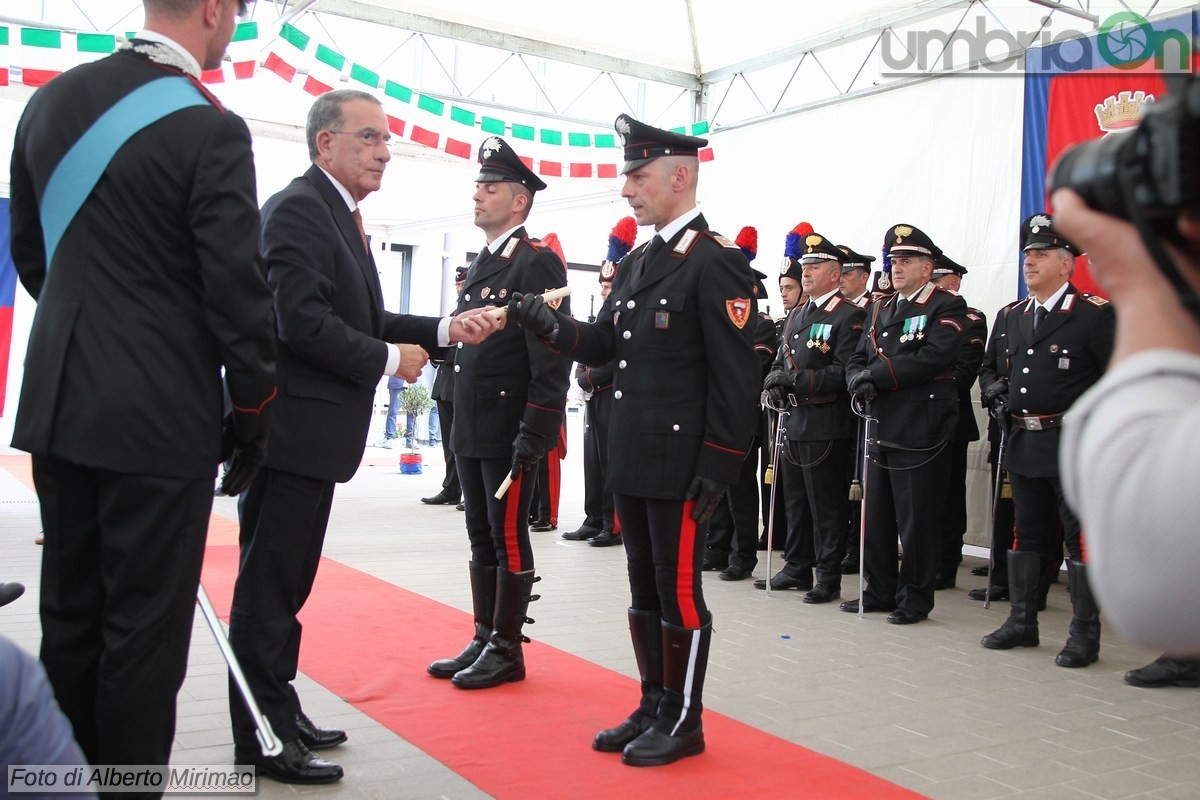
(80, 169)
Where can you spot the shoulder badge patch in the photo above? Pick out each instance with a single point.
(725, 242)
(686, 241)
(738, 310)
(1095, 299)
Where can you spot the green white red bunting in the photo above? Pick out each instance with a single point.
(316, 68)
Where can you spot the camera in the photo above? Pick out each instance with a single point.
(1154, 169)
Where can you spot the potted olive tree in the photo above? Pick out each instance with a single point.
(414, 401)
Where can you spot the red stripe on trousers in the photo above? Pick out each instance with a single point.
(555, 488)
(685, 580)
(512, 505)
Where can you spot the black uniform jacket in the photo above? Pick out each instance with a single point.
(1049, 370)
(818, 346)
(512, 377)
(966, 371)
(155, 285)
(333, 330)
(687, 377)
(917, 405)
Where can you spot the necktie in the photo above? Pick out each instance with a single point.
(901, 307)
(1039, 316)
(651, 251)
(361, 231)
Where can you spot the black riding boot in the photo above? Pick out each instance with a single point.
(645, 628)
(1083, 644)
(483, 600)
(1021, 627)
(677, 732)
(502, 660)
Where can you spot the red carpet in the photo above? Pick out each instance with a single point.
(369, 641)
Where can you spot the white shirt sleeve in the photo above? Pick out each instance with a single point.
(1130, 459)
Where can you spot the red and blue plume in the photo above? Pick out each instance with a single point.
(795, 239)
(747, 239)
(620, 241)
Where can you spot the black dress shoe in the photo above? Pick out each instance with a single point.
(980, 571)
(582, 533)
(605, 539)
(542, 527)
(655, 748)
(734, 572)
(849, 566)
(822, 593)
(460, 507)
(713, 565)
(781, 580)
(851, 607)
(315, 738)
(1166, 671)
(997, 594)
(10, 592)
(902, 616)
(442, 498)
(296, 764)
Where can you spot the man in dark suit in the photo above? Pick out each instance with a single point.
(334, 346)
(443, 394)
(679, 324)
(904, 364)
(509, 395)
(948, 274)
(1058, 344)
(153, 287)
(809, 378)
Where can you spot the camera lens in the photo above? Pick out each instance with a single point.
(1091, 170)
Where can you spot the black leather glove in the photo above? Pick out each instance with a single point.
(243, 464)
(780, 378)
(528, 448)
(243, 458)
(995, 392)
(707, 493)
(531, 313)
(861, 386)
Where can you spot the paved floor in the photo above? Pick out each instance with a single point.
(923, 706)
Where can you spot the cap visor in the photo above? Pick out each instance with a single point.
(630, 166)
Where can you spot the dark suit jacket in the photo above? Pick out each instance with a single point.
(333, 331)
(819, 357)
(687, 376)
(917, 406)
(1050, 369)
(512, 377)
(154, 287)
